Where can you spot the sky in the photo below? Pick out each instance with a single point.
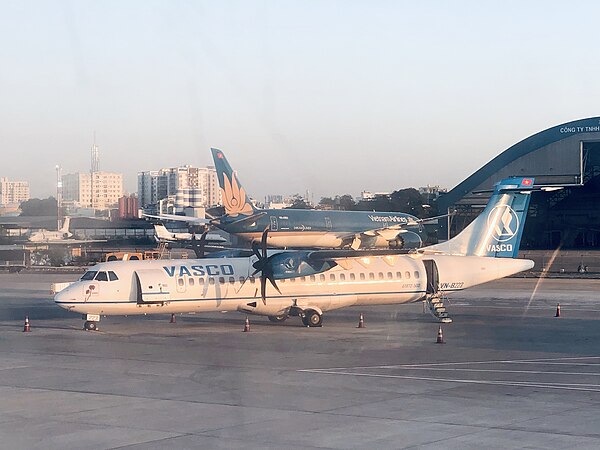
(331, 96)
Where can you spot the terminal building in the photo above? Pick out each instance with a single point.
(565, 212)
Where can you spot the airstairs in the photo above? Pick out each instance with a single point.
(435, 304)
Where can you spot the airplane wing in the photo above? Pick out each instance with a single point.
(193, 220)
(67, 242)
(389, 233)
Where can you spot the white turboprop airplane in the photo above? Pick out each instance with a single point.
(309, 283)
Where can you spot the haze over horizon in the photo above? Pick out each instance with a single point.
(335, 97)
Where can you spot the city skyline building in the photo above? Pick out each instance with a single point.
(13, 192)
(97, 190)
(188, 186)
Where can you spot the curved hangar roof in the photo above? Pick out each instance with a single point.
(555, 156)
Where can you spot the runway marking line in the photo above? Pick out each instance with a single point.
(350, 371)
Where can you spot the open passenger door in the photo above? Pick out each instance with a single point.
(153, 286)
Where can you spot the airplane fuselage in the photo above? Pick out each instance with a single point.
(225, 284)
(326, 229)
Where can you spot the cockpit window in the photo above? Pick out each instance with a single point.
(102, 276)
(112, 276)
(89, 275)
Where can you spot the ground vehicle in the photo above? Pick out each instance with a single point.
(132, 256)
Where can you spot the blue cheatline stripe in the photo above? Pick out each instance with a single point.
(156, 293)
(247, 298)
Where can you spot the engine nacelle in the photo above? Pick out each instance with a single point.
(407, 240)
(296, 264)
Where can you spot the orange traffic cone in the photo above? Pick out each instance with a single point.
(440, 336)
(361, 321)
(26, 327)
(246, 325)
(173, 320)
(557, 310)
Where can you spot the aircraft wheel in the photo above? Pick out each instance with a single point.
(278, 319)
(90, 326)
(312, 318)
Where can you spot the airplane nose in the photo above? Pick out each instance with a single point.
(65, 293)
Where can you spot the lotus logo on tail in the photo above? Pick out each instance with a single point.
(234, 197)
(504, 223)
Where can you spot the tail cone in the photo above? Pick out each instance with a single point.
(26, 327)
(246, 325)
(440, 336)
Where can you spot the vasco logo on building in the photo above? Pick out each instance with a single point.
(504, 223)
(234, 197)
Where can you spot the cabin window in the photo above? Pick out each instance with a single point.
(211, 280)
(231, 280)
(200, 281)
(313, 278)
(180, 281)
(292, 280)
(221, 280)
(371, 276)
(102, 276)
(380, 275)
(322, 277)
(112, 276)
(390, 275)
(399, 275)
(342, 277)
(242, 279)
(352, 277)
(89, 275)
(416, 274)
(362, 276)
(407, 275)
(303, 279)
(332, 277)
(252, 280)
(191, 281)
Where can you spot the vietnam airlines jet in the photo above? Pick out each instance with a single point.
(309, 283)
(302, 228)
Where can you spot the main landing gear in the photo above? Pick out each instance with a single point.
(91, 322)
(312, 318)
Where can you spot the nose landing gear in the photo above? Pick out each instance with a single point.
(91, 322)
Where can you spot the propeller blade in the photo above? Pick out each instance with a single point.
(263, 289)
(272, 280)
(256, 250)
(263, 242)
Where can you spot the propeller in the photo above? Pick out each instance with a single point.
(263, 266)
(199, 244)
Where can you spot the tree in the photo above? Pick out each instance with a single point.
(346, 202)
(298, 202)
(37, 207)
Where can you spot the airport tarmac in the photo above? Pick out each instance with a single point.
(510, 375)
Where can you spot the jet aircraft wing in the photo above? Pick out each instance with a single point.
(193, 220)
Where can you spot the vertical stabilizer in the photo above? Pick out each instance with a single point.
(161, 233)
(498, 229)
(65, 226)
(233, 194)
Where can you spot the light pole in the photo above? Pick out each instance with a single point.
(58, 195)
